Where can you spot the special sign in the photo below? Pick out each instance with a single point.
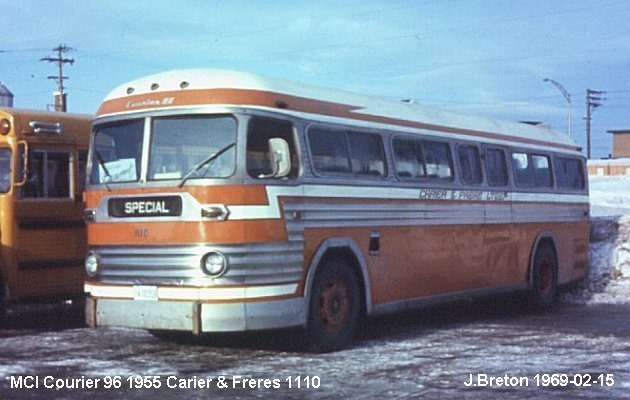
(154, 206)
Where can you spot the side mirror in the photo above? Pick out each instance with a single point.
(280, 158)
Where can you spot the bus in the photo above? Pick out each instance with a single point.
(222, 201)
(42, 231)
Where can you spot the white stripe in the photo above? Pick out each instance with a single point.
(272, 211)
(197, 294)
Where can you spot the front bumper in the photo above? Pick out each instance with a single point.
(195, 309)
(195, 316)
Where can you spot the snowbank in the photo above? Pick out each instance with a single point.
(609, 278)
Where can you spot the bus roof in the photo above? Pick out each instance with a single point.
(196, 87)
(76, 127)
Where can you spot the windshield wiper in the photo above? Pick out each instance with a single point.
(101, 162)
(204, 162)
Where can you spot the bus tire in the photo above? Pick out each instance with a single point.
(334, 307)
(544, 278)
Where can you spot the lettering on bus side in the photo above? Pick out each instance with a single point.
(141, 233)
(462, 195)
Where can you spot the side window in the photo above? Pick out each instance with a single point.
(496, 168)
(541, 171)
(259, 131)
(532, 170)
(520, 166)
(5, 169)
(470, 164)
(34, 186)
(569, 173)
(408, 159)
(329, 151)
(437, 159)
(48, 176)
(366, 154)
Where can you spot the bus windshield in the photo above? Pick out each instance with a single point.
(117, 152)
(5, 170)
(178, 146)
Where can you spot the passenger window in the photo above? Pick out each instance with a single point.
(408, 159)
(520, 165)
(329, 151)
(569, 173)
(541, 171)
(259, 131)
(366, 154)
(437, 160)
(470, 164)
(531, 170)
(48, 176)
(496, 169)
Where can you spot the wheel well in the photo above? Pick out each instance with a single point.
(347, 255)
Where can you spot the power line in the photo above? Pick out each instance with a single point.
(21, 50)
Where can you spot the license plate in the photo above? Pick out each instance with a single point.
(149, 293)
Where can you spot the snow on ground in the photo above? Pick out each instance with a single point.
(609, 278)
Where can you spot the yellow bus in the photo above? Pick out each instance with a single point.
(223, 201)
(42, 176)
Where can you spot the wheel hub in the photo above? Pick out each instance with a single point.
(334, 305)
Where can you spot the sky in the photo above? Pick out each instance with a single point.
(486, 57)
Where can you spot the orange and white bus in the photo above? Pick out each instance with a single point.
(42, 175)
(223, 201)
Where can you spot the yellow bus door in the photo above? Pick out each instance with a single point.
(50, 231)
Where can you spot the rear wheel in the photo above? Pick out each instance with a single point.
(334, 307)
(544, 284)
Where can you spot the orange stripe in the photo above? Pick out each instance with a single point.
(186, 233)
(223, 194)
(244, 97)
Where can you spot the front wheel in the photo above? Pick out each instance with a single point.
(334, 307)
(544, 283)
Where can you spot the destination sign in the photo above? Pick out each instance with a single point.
(154, 206)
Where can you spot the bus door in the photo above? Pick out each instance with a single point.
(49, 224)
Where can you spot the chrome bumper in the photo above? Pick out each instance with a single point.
(194, 316)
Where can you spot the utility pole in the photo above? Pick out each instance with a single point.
(593, 100)
(60, 105)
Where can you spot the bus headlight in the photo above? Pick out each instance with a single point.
(91, 264)
(214, 264)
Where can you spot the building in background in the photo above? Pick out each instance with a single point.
(621, 143)
(619, 163)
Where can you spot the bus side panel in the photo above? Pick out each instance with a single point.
(421, 261)
(51, 244)
(416, 261)
(571, 245)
